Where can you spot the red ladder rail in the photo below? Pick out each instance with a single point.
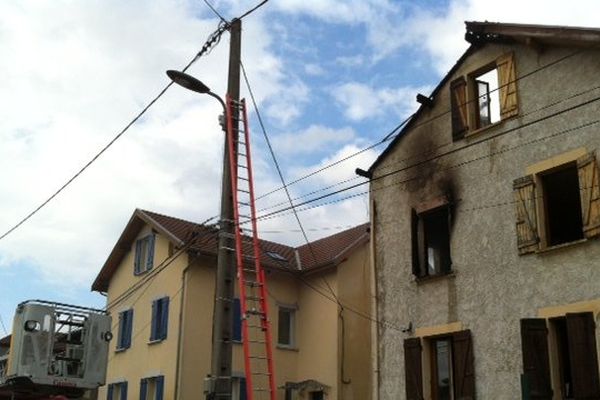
(256, 326)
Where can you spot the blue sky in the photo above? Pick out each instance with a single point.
(330, 76)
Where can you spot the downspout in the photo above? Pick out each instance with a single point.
(375, 305)
(180, 333)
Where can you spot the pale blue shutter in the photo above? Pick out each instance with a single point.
(160, 387)
(165, 318)
(109, 392)
(155, 317)
(121, 333)
(129, 328)
(143, 389)
(138, 257)
(150, 259)
(123, 391)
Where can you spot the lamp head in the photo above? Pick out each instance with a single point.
(187, 81)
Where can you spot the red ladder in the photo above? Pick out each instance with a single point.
(256, 327)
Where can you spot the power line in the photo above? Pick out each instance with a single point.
(262, 3)
(216, 12)
(281, 178)
(395, 132)
(213, 39)
(438, 156)
(3, 326)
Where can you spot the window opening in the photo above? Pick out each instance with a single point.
(285, 326)
(488, 99)
(433, 242)
(276, 256)
(442, 369)
(562, 200)
(317, 395)
(564, 359)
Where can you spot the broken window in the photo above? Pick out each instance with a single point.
(487, 96)
(558, 205)
(562, 205)
(488, 103)
(431, 242)
(285, 325)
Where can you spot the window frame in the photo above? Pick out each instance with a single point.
(157, 381)
(125, 330)
(117, 387)
(291, 309)
(467, 82)
(144, 254)
(420, 268)
(159, 326)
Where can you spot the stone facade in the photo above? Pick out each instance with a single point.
(491, 287)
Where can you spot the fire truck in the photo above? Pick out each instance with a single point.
(56, 351)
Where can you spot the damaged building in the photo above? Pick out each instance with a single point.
(485, 224)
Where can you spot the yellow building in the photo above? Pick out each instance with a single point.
(159, 283)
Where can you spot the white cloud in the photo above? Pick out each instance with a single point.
(360, 101)
(442, 33)
(315, 138)
(72, 76)
(314, 69)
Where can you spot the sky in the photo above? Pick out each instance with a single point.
(330, 77)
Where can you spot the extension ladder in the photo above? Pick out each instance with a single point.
(256, 327)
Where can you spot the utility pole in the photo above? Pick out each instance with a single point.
(220, 379)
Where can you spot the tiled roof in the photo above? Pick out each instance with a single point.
(328, 251)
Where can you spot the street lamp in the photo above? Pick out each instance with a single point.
(218, 383)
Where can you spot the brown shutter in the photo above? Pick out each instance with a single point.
(581, 331)
(536, 365)
(458, 101)
(527, 230)
(463, 368)
(590, 194)
(412, 369)
(507, 83)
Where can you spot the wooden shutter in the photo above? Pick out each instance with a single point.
(507, 84)
(536, 364)
(590, 194)
(128, 328)
(123, 386)
(581, 332)
(109, 391)
(527, 229)
(150, 249)
(160, 387)
(412, 369)
(458, 102)
(463, 368)
(155, 319)
(137, 268)
(143, 389)
(164, 319)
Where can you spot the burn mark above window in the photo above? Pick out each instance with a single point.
(431, 242)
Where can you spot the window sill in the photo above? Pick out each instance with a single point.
(287, 347)
(561, 246)
(477, 131)
(155, 341)
(237, 342)
(121, 350)
(426, 279)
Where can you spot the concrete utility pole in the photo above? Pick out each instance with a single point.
(226, 270)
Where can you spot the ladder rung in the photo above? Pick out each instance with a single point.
(242, 166)
(257, 341)
(261, 390)
(243, 190)
(241, 154)
(228, 248)
(253, 298)
(252, 283)
(255, 312)
(255, 326)
(244, 179)
(261, 373)
(244, 204)
(258, 357)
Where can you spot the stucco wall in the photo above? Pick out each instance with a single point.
(143, 359)
(492, 287)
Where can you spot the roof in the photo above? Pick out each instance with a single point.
(480, 33)
(329, 251)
